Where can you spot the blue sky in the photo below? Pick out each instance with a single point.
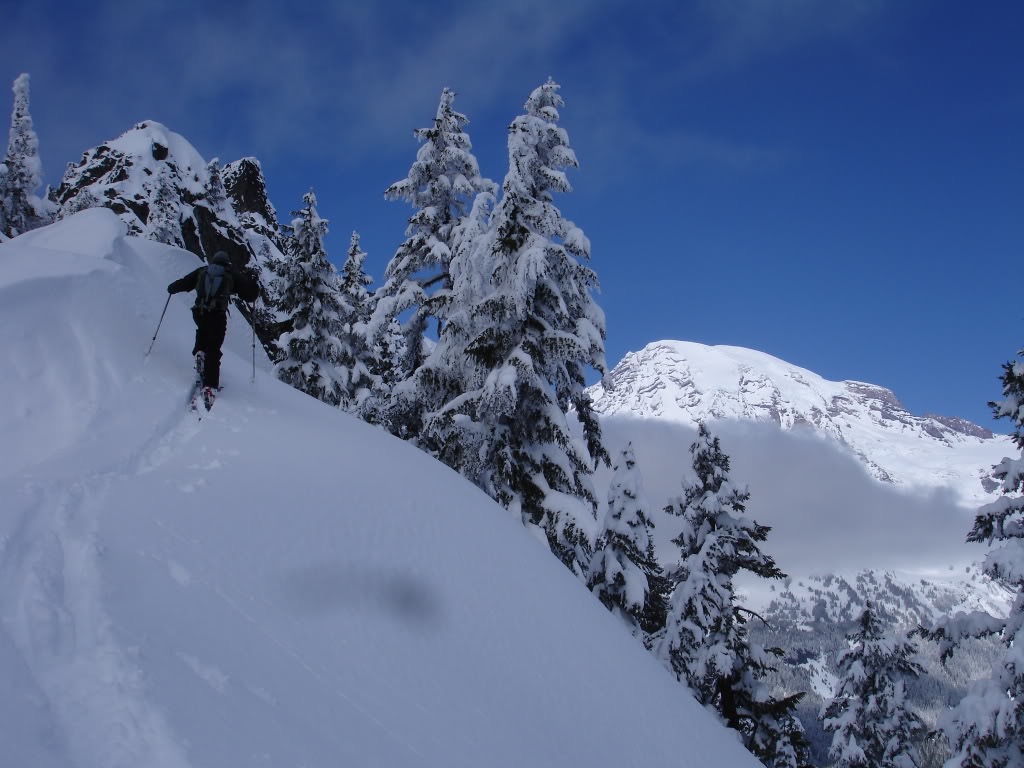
(839, 183)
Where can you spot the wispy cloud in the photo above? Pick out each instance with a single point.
(312, 81)
(741, 31)
(621, 146)
(335, 81)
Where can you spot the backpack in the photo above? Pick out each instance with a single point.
(214, 288)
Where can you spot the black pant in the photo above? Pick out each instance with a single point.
(211, 326)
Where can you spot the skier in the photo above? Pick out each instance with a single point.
(214, 284)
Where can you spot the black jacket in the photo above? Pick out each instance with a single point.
(244, 285)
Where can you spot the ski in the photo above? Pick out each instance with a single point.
(193, 401)
(197, 387)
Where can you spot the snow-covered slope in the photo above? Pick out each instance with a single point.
(688, 382)
(278, 584)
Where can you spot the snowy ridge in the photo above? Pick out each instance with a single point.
(688, 382)
(278, 584)
(901, 599)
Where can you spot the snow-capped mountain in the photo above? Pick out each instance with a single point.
(277, 584)
(843, 537)
(900, 599)
(688, 382)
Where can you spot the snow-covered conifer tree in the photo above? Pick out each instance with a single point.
(21, 209)
(164, 222)
(441, 185)
(706, 641)
(437, 392)
(388, 353)
(82, 201)
(868, 716)
(354, 281)
(624, 573)
(354, 354)
(986, 729)
(309, 294)
(217, 195)
(213, 213)
(532, 336)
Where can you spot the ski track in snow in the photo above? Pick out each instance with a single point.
(167, 441)
(50, 585)
(53, 612)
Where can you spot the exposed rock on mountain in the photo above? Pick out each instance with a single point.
(162, 189)
(247, 189)
(151, 177)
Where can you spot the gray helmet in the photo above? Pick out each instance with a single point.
(220, 257)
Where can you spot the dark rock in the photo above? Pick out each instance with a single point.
(247, 189)
(990, 485)
(962, 426)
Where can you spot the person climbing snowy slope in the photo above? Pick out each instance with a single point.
(214, 285)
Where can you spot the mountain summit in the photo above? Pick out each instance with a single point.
(688, 382)
(161, 188)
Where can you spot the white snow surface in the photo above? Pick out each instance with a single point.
(278, 584)
(823, 681)
(687, 382)
(137, 145)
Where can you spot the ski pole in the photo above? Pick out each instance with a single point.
(252, 322)
(151, 343)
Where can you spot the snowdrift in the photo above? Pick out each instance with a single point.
(278, 584)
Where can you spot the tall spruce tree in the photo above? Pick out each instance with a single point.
(441, 186)
(164, 221)
(868, 716)
(706, 641)
(309, 294)
(354, 354)
(986, 729)
(624, 573)
(437, 392)
(531, 338)
(215, 199)
(387, 353)
(216, 194)
(21, 209)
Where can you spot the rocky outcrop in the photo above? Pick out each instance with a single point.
(247, 188)
(961, 426)
(163, 189)
(148, 174)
